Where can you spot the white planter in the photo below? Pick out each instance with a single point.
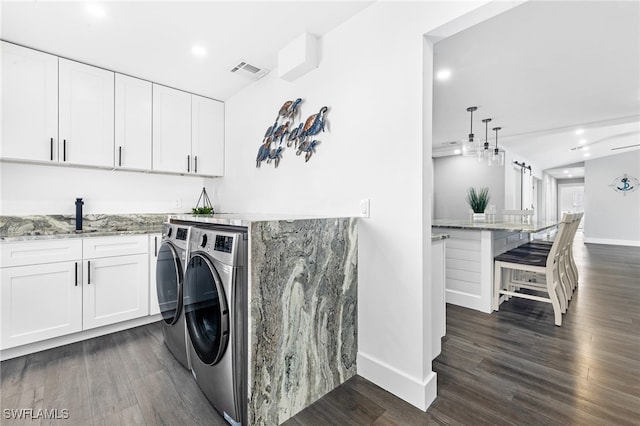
(479, 217)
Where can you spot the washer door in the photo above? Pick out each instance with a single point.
(206, 311)
(169, 283)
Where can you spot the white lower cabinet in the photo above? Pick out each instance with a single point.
(115, 289)
(154, 246)
(57, 287)
(39, 302)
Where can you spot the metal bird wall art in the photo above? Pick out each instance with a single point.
(299, 135)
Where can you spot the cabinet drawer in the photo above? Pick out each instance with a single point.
(34, 252)
(114, 246)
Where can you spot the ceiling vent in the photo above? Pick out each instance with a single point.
(249, 71)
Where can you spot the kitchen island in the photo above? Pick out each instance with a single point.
(470, 250)
(302, 308)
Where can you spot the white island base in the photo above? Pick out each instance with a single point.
(470, 250)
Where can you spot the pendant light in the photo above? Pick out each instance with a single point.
(484, 152)
(468, 145)
(497, 157)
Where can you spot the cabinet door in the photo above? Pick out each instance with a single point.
(207, 136)
(29, 104)
(132, 123)
(115, 289)
(86, 114)
(154, 246)
(171, 130)
(39, 302)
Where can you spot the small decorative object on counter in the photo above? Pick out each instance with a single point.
(478, 201)
(206, 207)
(299, 135)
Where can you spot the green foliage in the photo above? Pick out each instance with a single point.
(202, 210)
(478, 200)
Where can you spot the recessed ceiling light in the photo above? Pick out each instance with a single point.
(95, 9)
(585, 148)
(579, 131)
(566, 171)
(457, 151)
(587, 154)
(443, 75)
(582, 141)
(570, 176)
(198, 51)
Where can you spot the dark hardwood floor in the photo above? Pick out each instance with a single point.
(514, 367)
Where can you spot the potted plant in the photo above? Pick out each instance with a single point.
(206, 208)
(478, 201)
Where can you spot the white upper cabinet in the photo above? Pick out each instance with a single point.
(86, 102)
(171, 130)
(29, 104)
(56, 110)
(207, 136)
(133, 116)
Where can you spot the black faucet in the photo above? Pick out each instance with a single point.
(79, 204)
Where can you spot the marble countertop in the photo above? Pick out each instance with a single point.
(22, 228)
(241, 219)
(536, 226)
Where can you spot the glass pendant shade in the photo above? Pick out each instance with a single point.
(497, 155)
(469, 145)
(484, 152)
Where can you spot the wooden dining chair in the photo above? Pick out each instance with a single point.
(544, 262)
(568, 261)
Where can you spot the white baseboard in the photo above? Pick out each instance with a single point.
(466, 300)
(75, 337)
(612, 242)
(417, 393)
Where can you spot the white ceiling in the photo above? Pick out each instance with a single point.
(153, 40)
(541, 71)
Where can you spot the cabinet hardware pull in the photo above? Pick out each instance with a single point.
(64, 150)
(119, 156)
(188, 163)
(88, 272)
(51, 149)
(155, 246)
(195, 168)
(76, 274)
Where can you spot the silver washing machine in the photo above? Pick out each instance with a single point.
(216, 317)
(172, 260)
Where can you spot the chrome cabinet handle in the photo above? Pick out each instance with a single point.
(188, 163)
(64, 150)
(195, 169)
(51, 149)
(119, 156)
(76, 274)
(88, 272)
(155, 246)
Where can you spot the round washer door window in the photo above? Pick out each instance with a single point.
(206, 312)
(169, 283)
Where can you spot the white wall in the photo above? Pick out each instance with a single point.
(31, 189)
(371, 77)
(454, 175)
(614, 218)
(549, 198)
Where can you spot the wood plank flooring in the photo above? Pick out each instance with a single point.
(513, 367)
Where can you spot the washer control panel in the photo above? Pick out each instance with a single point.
(224, 243)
